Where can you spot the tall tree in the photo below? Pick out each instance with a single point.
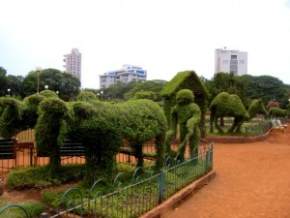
(3, 81)
(65, 84)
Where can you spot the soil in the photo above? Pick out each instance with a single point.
(253, 181)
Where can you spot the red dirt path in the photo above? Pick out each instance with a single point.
(253, 181)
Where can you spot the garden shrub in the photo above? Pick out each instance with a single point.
(86, 96)
(146, 95)
(40, 177)
(48, 94)
(277, 112)
(50, 130)
(10, 117)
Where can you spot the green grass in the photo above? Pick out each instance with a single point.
(39, 177)
(33, 208)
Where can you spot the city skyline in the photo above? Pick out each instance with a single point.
(164, 37)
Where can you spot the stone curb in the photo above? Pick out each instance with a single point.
(237, 139)
(180, 196)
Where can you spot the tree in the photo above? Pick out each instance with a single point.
(153, 86)
(265, 87)
(3, 81)
(67, 85)
(15, 84)
(226, 82)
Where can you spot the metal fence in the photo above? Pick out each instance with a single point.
(139, 197)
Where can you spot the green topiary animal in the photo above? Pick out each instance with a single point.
(227, 105)
(186, 115)
(102, 127)
(50, 131)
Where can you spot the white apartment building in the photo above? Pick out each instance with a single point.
(126, 74)
(73, 63)
(231, 61)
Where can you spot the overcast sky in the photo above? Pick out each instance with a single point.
(163, 36)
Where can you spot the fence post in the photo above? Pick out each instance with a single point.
(161, 186)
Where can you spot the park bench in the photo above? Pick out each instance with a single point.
(69, 148)
(7, 149)
(277, 125)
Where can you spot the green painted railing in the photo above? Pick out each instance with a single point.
(141, 196)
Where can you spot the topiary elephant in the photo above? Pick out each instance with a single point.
(227, 105)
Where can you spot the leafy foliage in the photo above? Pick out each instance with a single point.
(152, 86)
(40, 177)
(48, 94)
(265, 87)
(146, 95)
(86, 96)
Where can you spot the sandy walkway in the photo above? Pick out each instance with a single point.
(253, 180)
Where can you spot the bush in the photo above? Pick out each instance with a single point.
(86, 96)
(146, 95)
(48, 94)
(39, 177)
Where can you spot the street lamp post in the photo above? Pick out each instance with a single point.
(9, 90)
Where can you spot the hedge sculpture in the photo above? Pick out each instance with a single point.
(185, 115)
(50, 131)
(186, 80)
(227, 105)
(102, 127)
(10, 118)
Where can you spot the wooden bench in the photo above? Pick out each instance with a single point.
(7, 149)
(68, 149)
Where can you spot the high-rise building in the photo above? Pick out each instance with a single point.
(73, 63)
(126, 74)
(231, 61)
